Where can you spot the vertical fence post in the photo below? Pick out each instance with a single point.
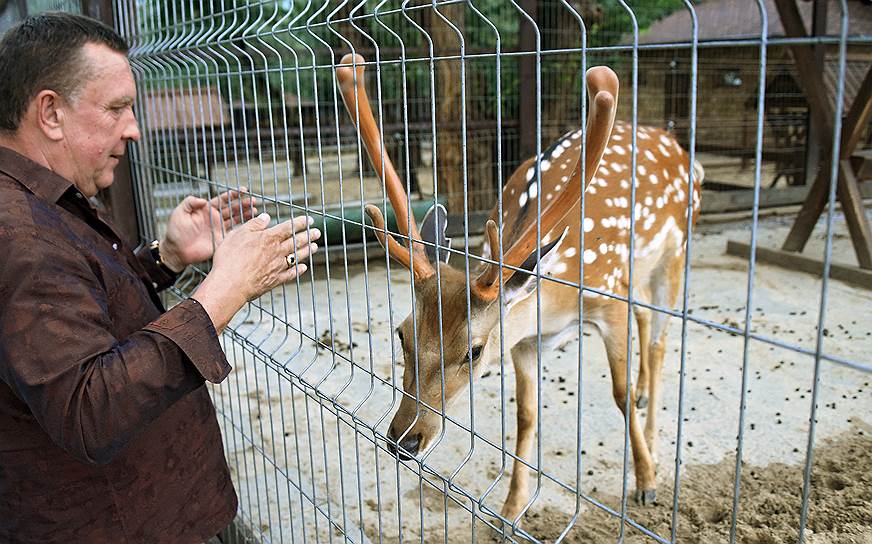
(119, 197)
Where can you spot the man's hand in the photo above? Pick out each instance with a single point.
(251, 261)
(197, 226)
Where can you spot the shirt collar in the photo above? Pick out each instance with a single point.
(38, 179)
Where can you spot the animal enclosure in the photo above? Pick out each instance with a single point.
(586, 364)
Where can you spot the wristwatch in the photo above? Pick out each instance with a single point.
(154, 249)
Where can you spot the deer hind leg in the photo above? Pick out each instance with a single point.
(665, 296)
(643, 319)
(615, 338)
(524, 359)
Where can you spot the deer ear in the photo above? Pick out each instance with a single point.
(433, 231)
(521, 284)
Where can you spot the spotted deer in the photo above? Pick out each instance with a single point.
(662, 190)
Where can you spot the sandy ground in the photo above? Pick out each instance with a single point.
(298, 466)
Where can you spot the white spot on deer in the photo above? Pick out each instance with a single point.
(643, 134)
(591, 189)
(549, 196)
(533, 190)
(648, 200)
(558, 150)
(617, 137)
(649, 222)
(512, 191)
(601, 182)
(566, 144)
(588, 224)
(659, 202)
(682, 171)
(546, 239)
(522, 200)
(530, 172)
(607, 151)
(653, 179)
(642, 170)
(557, 187)
(650, 156)
(645, 211)
(664, 140)
(546, 164)
(602, 171)
(576, 135)
(589, 256)
(603, 248)
(570, 252)
(564, 179)
(620, 150)
(625, 184)
(616, 167)
(663, 151)
(611, 282)
(563, 166)
(638, 210)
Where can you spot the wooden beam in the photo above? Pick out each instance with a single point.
(808, 70)
(793, 261)
(855, 214)
(858, 117)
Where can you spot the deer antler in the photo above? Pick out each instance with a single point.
(359, 106)
(602, 84)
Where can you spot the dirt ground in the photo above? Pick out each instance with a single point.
(840, 502)
(303, 474)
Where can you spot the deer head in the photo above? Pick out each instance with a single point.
(455, 321)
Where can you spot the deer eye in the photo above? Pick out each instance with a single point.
(473, 355)
(400, 334)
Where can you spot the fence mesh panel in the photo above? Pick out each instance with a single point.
(762, 365)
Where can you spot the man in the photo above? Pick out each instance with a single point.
(107, 431)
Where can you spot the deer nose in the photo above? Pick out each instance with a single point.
(408, 447)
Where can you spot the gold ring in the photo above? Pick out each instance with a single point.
(291, 260)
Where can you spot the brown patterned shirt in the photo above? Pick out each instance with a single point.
(107, 431)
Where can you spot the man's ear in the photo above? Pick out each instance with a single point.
(48, 107)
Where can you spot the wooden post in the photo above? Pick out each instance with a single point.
(119, 198)
(823, 112)
(527, 83)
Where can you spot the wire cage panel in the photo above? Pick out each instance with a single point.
(766, 371)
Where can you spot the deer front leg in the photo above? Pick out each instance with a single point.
(524, 358)
(616, 348)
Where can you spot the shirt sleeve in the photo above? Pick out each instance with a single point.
(161, 276)
(90, 391)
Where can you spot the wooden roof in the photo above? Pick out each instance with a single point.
(738, 19)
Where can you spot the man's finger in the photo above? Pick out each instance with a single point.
(233, 209)
(192, 203)
(260, 222)
(294, 272)
(286, 229)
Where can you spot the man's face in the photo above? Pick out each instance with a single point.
(98, 120)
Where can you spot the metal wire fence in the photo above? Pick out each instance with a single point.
(324, 390)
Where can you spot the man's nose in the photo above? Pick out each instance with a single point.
(132, 131)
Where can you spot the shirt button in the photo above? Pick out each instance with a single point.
(154, 284)
(115, 247)
(79, 195)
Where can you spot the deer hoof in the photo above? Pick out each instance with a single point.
(646, 497)
(642, 401)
